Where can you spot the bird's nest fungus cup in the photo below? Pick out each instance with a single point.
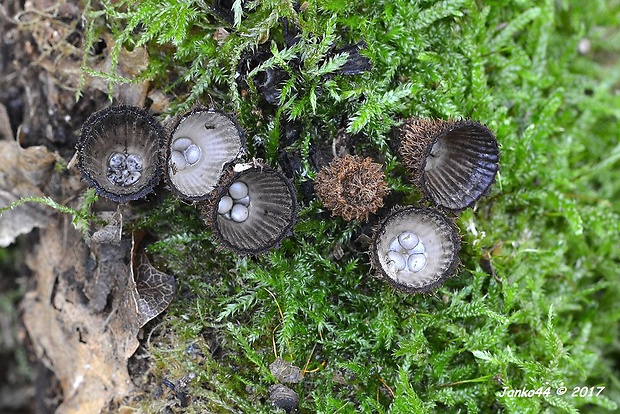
(453, 162)
(254, 209)
(352, 187)
(202, 143)
(416, 249)
(118, 152)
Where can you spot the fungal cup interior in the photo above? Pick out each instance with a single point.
(461, 165)
(437, 249)
(119, 152)
(201, 145)
(271, 212)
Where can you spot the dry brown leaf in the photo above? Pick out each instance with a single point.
(5, 124)
(23, 173)
(69, 338)
(85, 342)
(160, 101)
(152, 291)
(111, 232)
(146, 294)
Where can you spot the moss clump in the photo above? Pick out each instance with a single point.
(535, 302)
(352, 187)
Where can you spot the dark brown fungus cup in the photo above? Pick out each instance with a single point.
(453, 162)
(416, 249)
(119, 152)
(254, 209)
(283, 397)
(352, 187)
(201, 144)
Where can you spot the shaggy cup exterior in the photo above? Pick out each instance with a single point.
(352, 187)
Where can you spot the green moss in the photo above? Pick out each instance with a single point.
(534, 304)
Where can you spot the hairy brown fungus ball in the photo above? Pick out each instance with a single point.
(352, 187)
(254, 209)
(416, 249)
(119, 152)
(201, 144)
(453, 162)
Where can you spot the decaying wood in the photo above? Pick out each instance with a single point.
(73, 341)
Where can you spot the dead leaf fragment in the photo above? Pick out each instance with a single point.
(112, 232)
(5, 125)
(154, 290)
(146, 294)
(285, 371)
(86, 311)
(23, 173)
